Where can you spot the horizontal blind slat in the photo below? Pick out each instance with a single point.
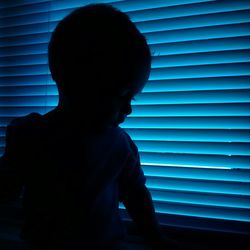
(189, 10)
(200, 160)
(192, 34)
(39, 7)
(214, 135)
(199, 198)
(203, 211)
(15, 3)
(205, 20)
(194, 147)
(187, 123)
(197, 84)
(198, 173)
(152, 4)
(208, 186)
(24, 80)
(220, 70)
(189, 97)
(206, 58)
(201, 46)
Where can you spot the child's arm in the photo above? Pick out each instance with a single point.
(139, 204)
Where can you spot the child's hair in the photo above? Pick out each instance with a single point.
(97, 48)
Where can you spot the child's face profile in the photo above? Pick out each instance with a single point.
(120, 107)
(116, 108)
(108, 110)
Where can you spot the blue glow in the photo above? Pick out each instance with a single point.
(220, 31)
(42, 69)
(220, 70)
(29, 91)
(26, 9)
(198, 198)
(175, 208)
(24, 80)
(150, 26)
(15, 3)
(220, 44)
(194, 147)
(187, 123)
(37, 59)
(151, 4)
(61, 5)
(32, 49)
(207, 20)
(29, 101)
(192, 135)
(185, 184)
(204, 211)
(25, 20)
(191, 123)
(242, 162)
(25, 40)
(161, 110)
(216, 97)
(36, 28)
(189, 10)
(196, 172)
(195, 84)
(179, 165)
(221, 57)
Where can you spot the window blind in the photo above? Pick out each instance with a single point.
(191, 122)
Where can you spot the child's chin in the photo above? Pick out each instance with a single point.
(115, 124)
(121, 119)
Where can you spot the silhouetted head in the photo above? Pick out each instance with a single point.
(99, 61)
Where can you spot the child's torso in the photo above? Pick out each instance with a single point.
(71, 182)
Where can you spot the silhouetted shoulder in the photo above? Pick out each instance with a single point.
(129, 142)
(25, 122)
(18, 135)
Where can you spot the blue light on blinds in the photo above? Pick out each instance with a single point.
(191, 123)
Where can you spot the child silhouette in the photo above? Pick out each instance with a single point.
(74, 163)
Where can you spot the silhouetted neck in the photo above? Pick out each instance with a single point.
(64, 118)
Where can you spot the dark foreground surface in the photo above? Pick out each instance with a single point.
(188, 239)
